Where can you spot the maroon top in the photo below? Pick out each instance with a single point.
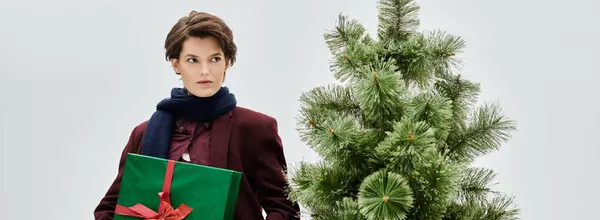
(243, 140)
(191, 137)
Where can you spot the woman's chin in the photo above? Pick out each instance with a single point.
(203, 93)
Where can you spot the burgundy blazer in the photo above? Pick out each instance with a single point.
(242, 140)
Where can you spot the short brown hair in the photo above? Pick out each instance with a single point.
(200, 24)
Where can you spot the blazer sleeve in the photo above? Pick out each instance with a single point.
(269, 174)
(106, 209)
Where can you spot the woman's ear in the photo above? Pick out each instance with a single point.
(226, 67)
(227, 63)
(175, 66)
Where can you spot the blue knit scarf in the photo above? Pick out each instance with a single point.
(157, 137)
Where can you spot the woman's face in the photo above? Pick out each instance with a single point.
(202, 66)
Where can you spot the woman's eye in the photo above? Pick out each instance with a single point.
(192, 60)
(215, 59)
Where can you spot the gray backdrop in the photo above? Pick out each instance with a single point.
(77, 76)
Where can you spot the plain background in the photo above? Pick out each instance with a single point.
(77, 76)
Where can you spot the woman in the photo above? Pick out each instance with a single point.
(201, 124)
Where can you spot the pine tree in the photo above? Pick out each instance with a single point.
(399, 132)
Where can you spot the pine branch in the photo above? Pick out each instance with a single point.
(347, 64)
(346, 209)
(463, 94)
(385, 195)
(475, 184)
(346, 31)
(331, 123)
(397, 19)
(488, 130)
(424, 55)
(335, 140)
(318, 186)
(436, 111)
(442, 48)
(351, 47)
(500, 208)
(435, 183)
(406, 145)
(459, 211)
(379, 95)
(337, 98)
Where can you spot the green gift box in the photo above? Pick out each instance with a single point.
(152, 187)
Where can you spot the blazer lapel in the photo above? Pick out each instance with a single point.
(219, 141)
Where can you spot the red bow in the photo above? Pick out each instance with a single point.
(165, 210)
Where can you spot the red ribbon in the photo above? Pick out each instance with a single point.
(165, 210)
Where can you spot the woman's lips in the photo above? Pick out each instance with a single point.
(204, 82)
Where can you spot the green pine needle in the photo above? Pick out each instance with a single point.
(397, 18)
(385, 195)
